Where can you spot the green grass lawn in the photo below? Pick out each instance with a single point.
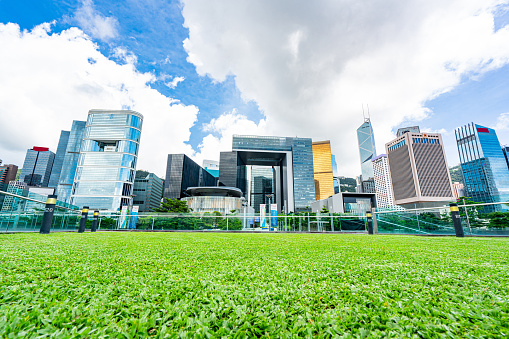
(244, 285)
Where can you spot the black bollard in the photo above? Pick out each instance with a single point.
(47, 218)
(369, 220)
(95, 219)
(83, 220)
(455, 215)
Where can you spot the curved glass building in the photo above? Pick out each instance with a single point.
(107, 162)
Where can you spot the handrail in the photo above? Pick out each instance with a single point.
(33, 200)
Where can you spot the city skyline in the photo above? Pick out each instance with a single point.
(195, 96)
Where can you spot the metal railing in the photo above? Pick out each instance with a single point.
(438, 220)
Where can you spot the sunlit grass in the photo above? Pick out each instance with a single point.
(270, 285)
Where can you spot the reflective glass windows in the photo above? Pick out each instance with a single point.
(107, 162)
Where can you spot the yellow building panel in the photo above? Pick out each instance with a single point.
(322, 163)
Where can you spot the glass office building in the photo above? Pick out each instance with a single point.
(37, 167)
(483, 164)
(292, 157)
(70, 162)
(107, 162)
(148, 192)
(59, 159)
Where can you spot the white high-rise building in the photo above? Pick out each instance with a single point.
(383, 184)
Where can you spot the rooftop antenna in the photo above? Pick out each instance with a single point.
(363, 115)
(369, 116)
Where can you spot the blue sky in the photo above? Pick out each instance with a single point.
(273, 69)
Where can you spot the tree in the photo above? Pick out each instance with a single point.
(324, 209)
(456, 175)
(173, 206)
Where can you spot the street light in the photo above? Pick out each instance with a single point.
(270, 202)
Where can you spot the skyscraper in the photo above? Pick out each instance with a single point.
(483, 165)
(383, 184)
(37, 166)
(322, 163)
(70, 162)
(419, 172)
(59, 159)
(107, 162)
(367, 151)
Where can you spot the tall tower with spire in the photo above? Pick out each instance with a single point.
(367, 152)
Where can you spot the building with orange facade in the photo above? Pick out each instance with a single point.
(322, 165)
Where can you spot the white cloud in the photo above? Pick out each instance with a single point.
(124, 55)
(172, 84)
(221, 131)
(48, 80)
(501, 127)
(311, 65)
(94, 23)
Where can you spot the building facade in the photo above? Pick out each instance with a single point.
(59, 159)
(382, 181)
(419, 172)
(261, 186)
(403, 130)
(214, 199)
(70, 162)
(37, 167)
(181, 173)
(483, 165)
(323, 172)
(148, 192)
(367, 152)
(7, 173)
(212, 166)
(290, 158)
(11, 203)
(106, 165)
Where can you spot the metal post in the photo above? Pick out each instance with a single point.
(300, 223)
(99, 227)
(468, 220)
(227, 222)
(375, 222)
(47, 218)
(152, 223)
(456, 219)
(94, 221)
(369, 221)
(331, 223)
(83, 220)
(309, 227)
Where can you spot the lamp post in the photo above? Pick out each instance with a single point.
(270, 202)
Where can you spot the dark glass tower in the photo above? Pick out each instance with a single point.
(483, 164)
(181, 173)
(37, 167)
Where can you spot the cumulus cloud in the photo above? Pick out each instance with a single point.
(50, 79)
(311, 64)
(174, 82)
(221, 130)
(501, 127)
(94, 23)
